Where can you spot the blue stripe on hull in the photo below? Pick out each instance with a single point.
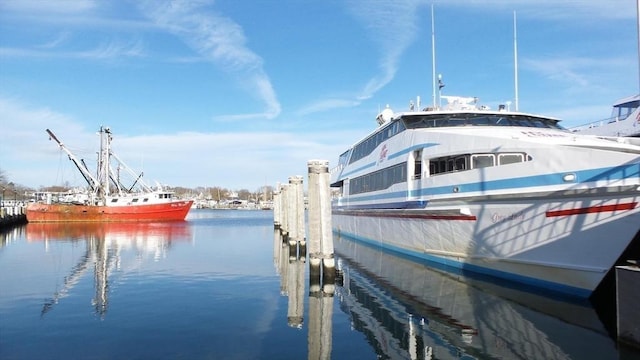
(554, 288)
(518, 184)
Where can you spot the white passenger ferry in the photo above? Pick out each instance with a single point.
(508, 194)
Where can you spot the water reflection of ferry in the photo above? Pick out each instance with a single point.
(407, 310)
(105, 243)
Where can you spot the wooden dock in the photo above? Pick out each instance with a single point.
(12, 215)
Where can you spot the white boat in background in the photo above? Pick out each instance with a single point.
(503, 193)
(623, 122)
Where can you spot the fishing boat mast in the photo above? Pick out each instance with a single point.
(103, 161)
(91, 180)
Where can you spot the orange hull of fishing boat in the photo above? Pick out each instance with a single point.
(170, 211)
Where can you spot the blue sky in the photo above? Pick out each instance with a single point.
(241, 94)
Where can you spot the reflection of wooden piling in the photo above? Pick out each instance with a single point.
(295, 308)
(320, 325)
(628, 312)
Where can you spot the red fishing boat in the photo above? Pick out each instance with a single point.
(107, 199)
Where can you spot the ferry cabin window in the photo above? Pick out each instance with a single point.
(342, 161)
(367, 146)
(474, 119)
(482, 161)
(378, 180)
(417, 164)
(623, 111)
(449, 164)
(504, 159)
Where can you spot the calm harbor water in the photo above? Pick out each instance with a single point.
(221, 286)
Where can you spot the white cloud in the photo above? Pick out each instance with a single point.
(553, 10)
(220, 40)
(234, 160)
(392, 26)
(108, 50)
(325, 105)
(578, 74)
(48, 6)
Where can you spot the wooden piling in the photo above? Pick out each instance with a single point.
(284, 214)
(296, 207)
(277, 207)
(320, 236)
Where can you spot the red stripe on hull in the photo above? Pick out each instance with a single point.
(592, 209)
(424, 216)
(173, 211)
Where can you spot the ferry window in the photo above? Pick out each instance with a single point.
(489, 119)
(456, 121)
(504, 159)
(379, 180)
(343, 158)
(462, 163)
(624, 110)
(451, 165)
(480, 121)
(482, 160)
(503, 121)
(417, 164)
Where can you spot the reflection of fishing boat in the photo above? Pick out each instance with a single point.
(504, 193)
(408, 310)
(107, 199)
(105, 244)
(127, 231)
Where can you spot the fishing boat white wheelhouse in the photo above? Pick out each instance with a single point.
(507, 194)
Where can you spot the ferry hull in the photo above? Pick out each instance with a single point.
(560, 246)
(173, 211)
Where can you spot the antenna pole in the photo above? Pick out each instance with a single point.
(515, 59)
(433, 56)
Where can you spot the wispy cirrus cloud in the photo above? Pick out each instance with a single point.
(108, 50)
(578, 73)
(392, 27)
(220, 40)
(327, 104)
(49, 6)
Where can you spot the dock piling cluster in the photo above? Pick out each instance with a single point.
(290, 252)
(289, 218)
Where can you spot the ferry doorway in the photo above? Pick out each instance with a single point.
(414, 174)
